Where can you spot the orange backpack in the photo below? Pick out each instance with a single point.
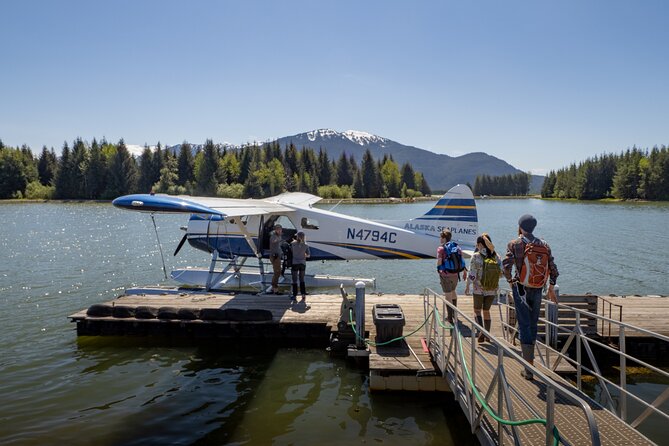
(534, 271)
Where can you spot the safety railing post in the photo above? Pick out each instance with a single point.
(623, 374)
(578, 351)
(360, 314)
(550, 414)
(500, 397)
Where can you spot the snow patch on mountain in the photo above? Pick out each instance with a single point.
(136, 150)
(355, 136)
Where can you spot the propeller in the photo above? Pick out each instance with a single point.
(181, 243)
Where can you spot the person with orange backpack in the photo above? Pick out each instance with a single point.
(530, 260)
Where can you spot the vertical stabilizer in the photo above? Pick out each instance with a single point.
(455, 210)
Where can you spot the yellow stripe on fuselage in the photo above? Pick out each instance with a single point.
(372, 248)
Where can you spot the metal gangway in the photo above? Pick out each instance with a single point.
(577, 348)
(501, 406)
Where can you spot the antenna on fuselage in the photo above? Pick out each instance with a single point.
(332, 208)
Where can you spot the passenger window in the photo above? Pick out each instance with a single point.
(309, 223)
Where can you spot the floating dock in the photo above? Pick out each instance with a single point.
(425, 360)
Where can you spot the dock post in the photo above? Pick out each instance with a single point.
(360, 314)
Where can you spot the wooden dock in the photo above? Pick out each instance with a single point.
(398, 366)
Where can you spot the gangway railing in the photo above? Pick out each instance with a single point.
(608, 305)
(614, 396)
(459, 367)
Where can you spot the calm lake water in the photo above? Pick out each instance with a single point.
(60, 258)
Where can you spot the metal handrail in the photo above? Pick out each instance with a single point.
(451, 362)
(583, 341)
(611, 305)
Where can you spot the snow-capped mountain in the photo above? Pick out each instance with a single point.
(441, 171)
(355, 136)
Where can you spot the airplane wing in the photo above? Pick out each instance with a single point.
(294, 198)
(226, 207)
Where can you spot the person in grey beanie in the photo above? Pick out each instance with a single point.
(529, 267)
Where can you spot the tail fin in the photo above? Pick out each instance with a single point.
(456, 211)
(457, 205)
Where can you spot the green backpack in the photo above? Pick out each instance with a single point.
(491, 274)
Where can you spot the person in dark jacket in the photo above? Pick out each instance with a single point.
(527, 299)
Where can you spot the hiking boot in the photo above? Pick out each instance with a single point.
(527, 375)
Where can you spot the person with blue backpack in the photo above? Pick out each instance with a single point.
(449, 266)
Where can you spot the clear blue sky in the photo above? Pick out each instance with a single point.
(537, 83)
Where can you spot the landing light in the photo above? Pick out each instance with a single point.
(137, 203)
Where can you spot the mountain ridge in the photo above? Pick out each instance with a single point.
(440, 170)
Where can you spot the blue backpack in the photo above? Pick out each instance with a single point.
(453, 262)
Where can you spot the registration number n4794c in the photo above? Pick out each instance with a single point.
(371, 235)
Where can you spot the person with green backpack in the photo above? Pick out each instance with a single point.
(485, 270)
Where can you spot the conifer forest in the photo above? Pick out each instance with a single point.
(104, 170)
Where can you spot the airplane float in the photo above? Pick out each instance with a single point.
(238, 229)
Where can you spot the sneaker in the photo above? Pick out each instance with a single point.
(527, 375)
(482, 338)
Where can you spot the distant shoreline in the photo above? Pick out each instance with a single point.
(389, 200)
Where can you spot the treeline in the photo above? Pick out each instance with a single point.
(503, 185)
(103, 170)
(633, 174)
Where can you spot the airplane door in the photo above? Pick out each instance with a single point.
(288, 232)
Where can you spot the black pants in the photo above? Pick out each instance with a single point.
(298, 270)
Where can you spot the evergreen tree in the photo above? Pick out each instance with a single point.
(64, 174)
(358, 185)
(408, 176)
(344, 172)
(292, 160)
(325, 172)
(206, 181)
(78, 173)
(370, 176)
(146, 174)
(96, 172)
(185, 164)
(169, 175)
(47, 166)
(425, 189)
(122, 173)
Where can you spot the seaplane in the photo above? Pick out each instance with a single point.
(235, 230)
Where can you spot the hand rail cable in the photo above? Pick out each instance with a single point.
(576, 331)
(377, 344)
(592, 424)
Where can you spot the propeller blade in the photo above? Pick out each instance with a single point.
(181, 243)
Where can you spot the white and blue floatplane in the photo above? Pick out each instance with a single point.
(238, 229)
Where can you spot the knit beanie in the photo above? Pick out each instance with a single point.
(527, 223)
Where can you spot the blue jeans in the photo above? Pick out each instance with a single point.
(527, 313)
